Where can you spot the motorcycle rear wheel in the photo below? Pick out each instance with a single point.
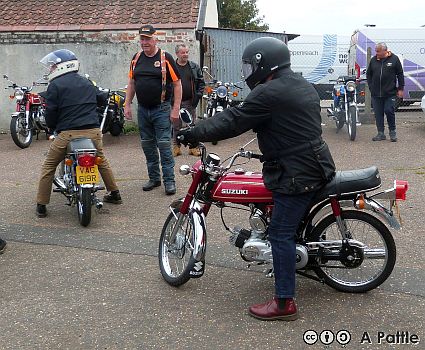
(20, 135)
(379, 256)
(352, 122)
(84, 203)
(175, 254)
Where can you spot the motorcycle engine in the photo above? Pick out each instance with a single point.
(39, 117)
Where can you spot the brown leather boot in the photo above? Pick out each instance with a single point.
(271, 311)
(176, 150)
(195, 151)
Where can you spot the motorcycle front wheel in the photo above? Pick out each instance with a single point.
(84, 203)
(372, 265)
(176, 251)
(21, 135)
(352, 122)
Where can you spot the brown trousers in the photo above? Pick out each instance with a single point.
(56, 154)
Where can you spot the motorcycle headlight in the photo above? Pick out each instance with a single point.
(350, 86)
(19, 94)
(222, 91)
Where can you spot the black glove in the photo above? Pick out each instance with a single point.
(186, 137)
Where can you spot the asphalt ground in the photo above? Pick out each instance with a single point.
(67, 287)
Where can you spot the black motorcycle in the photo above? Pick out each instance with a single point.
(344, 109)
(218, 95)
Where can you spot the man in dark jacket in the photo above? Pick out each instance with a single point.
(284, 110)
(193, 85)
(383, 72)
(71, 102)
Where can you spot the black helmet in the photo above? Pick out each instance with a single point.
(262, 57)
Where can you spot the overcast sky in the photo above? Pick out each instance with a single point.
(339, 17)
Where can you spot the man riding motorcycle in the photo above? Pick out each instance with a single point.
(71, 112)
(284, 110)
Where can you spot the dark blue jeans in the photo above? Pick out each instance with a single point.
(155, 134)
(287, 214)
(385, 105)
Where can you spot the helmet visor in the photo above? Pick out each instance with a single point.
(50, 60)
(247, 69)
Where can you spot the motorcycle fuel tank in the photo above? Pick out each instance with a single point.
(242, 187)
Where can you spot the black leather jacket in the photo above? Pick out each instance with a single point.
(285, 114)
(198, 83)
(71, 101)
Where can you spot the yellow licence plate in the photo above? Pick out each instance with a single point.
(87, 175)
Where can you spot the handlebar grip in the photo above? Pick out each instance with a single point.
(256, 156)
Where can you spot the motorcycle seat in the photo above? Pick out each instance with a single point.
(350, 182)
(81, 144)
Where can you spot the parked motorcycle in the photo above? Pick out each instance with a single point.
(110, 107)
(77, 178)
(344, 109)
(342, 240)
(218, 95)
(29, 114)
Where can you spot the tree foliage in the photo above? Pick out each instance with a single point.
(240, 14)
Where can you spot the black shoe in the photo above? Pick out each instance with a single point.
(379, 137)
(393, 136)
(2, 245)
(114, 197)
(41, 210)
(150, 185)
(170, 188)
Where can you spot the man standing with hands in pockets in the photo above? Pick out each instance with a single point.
(154, 79)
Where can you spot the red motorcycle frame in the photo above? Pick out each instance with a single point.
(29, 113)
(341, 241)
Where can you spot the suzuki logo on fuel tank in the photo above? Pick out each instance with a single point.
(232, 191)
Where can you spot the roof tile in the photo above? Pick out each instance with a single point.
(83, 13)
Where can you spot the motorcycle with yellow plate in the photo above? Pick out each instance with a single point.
(77, 178)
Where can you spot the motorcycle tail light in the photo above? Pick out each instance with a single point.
(86, 160)
(11, 97)
(68, 161)
(235, 94)
(98, 161)
(362, 93)
(401, 188)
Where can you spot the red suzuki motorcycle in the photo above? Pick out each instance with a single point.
(343, 239)
(29, 115)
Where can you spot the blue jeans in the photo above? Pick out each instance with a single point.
(155, 134)
(287, 214)
(385, 105)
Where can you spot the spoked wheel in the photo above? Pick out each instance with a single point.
(84, 203)
(176, 251)
(352, 122)
(362, 269)
(21, 133)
